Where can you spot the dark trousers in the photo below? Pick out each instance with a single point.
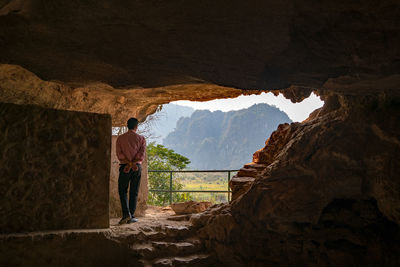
(133, 177)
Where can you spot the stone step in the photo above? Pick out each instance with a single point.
(151, 236)
(240, 185)
(240, 181)
(192, 260)
(160, 249)
(145, 250)
(247, 172)
(179, 248)
(253, 165)
(185, 217)
(167, 233)
(177, 231)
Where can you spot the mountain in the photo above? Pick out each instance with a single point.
(222, 140)
(165, 121)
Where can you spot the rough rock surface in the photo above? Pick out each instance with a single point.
(243, 44)
(190, 207)
(65, 248)
(54, 169)
(330, 197)
(152, 241)
(115, 204)
(20, 86)
(274, 144)
(240, 185)
(127, 57)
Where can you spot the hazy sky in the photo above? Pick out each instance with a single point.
(296, 112)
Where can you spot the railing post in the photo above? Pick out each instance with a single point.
(229, 189)
(170, 187)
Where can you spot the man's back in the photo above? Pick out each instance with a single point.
(131, 147)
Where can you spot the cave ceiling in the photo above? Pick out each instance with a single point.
(350, 47)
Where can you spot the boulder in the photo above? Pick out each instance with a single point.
(190, 207)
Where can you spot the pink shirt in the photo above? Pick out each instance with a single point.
(131, 147)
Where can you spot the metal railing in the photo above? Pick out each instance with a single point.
(170, 191)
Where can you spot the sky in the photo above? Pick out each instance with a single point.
(295, 111)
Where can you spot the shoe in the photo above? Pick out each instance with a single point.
(133, 220)
(124, 220)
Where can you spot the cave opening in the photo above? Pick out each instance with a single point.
(213, 135)
(321, 192)
(214, 118)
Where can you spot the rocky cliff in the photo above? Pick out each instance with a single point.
(221, 140)
(165, 120)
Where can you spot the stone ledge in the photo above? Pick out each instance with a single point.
(240, 185)
(253, 165)
(247, 172)
(65, 248)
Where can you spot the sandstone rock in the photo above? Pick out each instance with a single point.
(121, 100)
(240, 185)
(261, 159)
(55, 167)
(280, 46)
(274, 144)
(185, 217)
(253, 165)
(201, 219)
(296, 93)
(190, 207)
(247, 172)
(17, 83)
(321, 200)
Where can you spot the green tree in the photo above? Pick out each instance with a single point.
(162, 158)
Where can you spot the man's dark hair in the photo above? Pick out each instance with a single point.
(132, 123)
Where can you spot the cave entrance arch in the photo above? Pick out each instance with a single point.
(220, 134)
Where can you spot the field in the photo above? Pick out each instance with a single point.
(210, 181)
(205, 181)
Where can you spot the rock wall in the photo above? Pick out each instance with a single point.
(66, 248)
(115, 205)
(55, 168)
(244, 44)
(329, 194)
(20, 86)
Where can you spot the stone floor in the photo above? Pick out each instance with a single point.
(154, 216)
(159, 238)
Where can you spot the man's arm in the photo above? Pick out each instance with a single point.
(142, 151)
(120, 155)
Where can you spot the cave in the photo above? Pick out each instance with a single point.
(323, 192)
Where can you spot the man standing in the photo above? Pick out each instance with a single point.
(131, 149)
